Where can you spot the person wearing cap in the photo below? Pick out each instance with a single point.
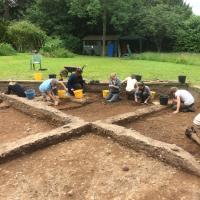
(75, 82)
(143, 93)
(131, 86)
(194, 132)
(182, 100)
(47, 89)
(114, 88)
(15, 88)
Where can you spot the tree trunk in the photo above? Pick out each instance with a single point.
(104, 32)
(6, 14)
(158, 42)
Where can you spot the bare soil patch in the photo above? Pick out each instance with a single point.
(97, 108)
(168, 127)
(15, 125)
(91, 167)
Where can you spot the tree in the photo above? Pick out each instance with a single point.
(115, 12)
(188, 38)
(25, 36)
(161, 21)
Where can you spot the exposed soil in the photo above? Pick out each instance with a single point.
(93, 167)
(15, 124)
(97, 108)
(168, 127)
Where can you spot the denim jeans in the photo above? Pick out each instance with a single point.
(113, 97)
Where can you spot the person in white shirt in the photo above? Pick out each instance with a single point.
(131, 87)
(182, 100)
(194, 132)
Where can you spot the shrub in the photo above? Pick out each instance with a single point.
(26, 36)
(59, 53)
(6, 49)
(51, 44)
(73, 43)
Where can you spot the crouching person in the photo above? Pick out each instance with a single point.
(143, 93)
(76, 82)
(194, 132)
(47, 89)
(16, 89)
(114, 88)
(131, 87)
(182, 100)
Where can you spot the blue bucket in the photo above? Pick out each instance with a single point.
(30, 94)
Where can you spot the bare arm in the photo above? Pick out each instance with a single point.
(178, 104)
(63, 85)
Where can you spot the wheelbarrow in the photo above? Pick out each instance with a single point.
(67, 70)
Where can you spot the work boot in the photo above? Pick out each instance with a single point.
(191, 109)
(188, 132)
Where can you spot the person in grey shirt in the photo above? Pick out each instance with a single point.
(143, 93)
(114, 88)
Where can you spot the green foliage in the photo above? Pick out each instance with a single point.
(3, 30)
(52, 43)
(189, 36)
(73, 43)
(26, 36)
(178, 58)
(54, 47)
(6, 50)
(58, 53)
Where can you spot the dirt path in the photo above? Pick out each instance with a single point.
(91, 168)
(15, 125)
(170, 128)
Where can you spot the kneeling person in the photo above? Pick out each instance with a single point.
(47, 89)
(143, 93)
(114, 88)
(131, 87)
(75, 81)
(182, 100)
(15, 88)
(194, 131)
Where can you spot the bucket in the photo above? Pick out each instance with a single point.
(62, 94)
(78, 94)
(30, 94)
(105, 93)
(138, 77)
(164, 100)
(52, 76)
(181, 79)
(153, 94)
(38, 76)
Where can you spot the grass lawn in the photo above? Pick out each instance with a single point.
(18, 67)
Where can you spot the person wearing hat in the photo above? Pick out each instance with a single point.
(143, 93)
(194, 132)
(114, 88)
(15, 88)
(47, 89)
(75, 81)
(131, 86)
(182, 100)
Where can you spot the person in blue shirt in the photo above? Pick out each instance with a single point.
(75, 82)
(47, 89)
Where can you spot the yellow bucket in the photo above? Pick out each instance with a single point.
(105, 93)
(62, 94)
(38, 76)
(78, 94)
(153, 94)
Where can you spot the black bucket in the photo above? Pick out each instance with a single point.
(138, 77)
(181, 79)
(52, 76)
(164, 100)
